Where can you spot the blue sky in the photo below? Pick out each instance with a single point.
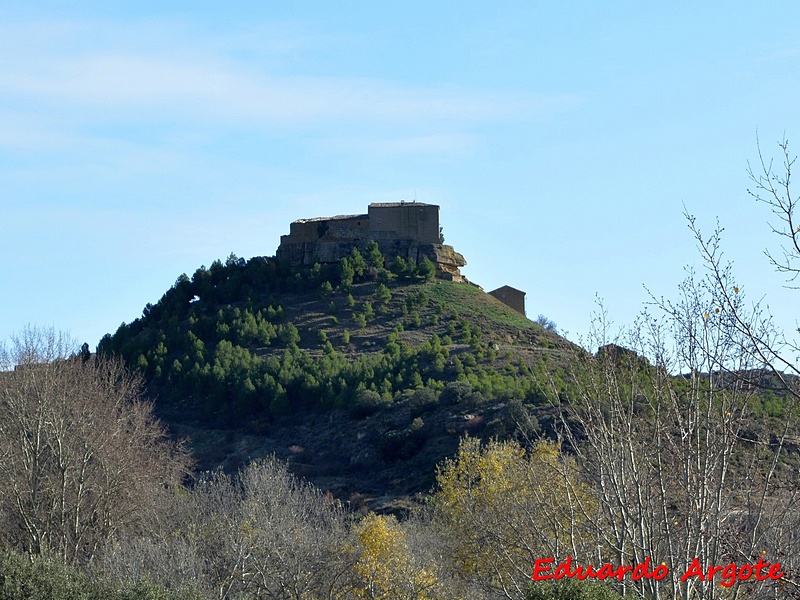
(561, 140)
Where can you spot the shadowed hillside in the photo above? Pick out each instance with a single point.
(362, 378)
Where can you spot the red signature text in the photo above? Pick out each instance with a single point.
(544, 569)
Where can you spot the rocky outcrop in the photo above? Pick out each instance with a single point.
(447, 261)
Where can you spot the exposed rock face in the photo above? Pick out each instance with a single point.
(447, 262)
(406, 230)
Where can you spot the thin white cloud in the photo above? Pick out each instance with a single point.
(124, 83)
(450, 143)
(105, 102)
(91, 72)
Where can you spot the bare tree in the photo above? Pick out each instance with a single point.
(261, 533)
(293, 533)
(81, 454)
(749, 350)
(773, 188)
(675, 469)
(663, 421)
(750, 324)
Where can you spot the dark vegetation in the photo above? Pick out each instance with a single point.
(249, 342)
(39, 578)
(362, 377)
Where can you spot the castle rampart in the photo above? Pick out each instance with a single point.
(409, 230)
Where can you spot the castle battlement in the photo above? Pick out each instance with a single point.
(409, 230)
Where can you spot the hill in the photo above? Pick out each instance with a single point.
(361, 378)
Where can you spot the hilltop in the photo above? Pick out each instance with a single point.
(361, 373)
(362, 378)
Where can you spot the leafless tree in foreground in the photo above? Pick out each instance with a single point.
(662, 421)
(676, 470)
(81, 454)
(262, 533)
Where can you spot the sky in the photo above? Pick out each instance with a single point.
(562, 141)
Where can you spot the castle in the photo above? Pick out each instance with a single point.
(409, 230)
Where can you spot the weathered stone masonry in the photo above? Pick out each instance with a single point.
(510, 296)
(409, 230)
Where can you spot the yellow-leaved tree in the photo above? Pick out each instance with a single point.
(386, 569)
(501, 507)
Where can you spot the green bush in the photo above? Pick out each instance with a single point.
(39, 579)
(373, 255)
(456, 391)
(400, 267)
(369, 312)
(24, 578)
(359, 320)
(368, 402)
(423, 400)
(426, 269)
(382, 294)
(570, 589)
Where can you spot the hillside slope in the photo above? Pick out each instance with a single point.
(362, 379)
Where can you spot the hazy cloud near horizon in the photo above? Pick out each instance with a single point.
(54, 95)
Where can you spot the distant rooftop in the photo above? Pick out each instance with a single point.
(374, 204)
(332, 218)
(503, 288)
(401, 203)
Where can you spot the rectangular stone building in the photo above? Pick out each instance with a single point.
(511, 296)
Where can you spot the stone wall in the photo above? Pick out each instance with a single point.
(334, 228)
(510, 296)
(407, 220)
(409, 230)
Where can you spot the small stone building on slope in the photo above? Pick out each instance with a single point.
(510, 296)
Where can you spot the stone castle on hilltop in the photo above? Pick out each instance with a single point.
(409, 230)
